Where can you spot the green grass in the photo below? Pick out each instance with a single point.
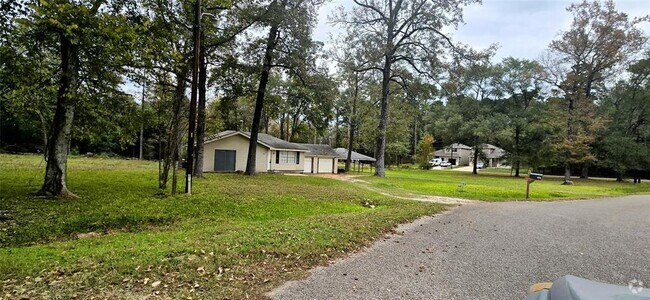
(236, 237)
(496, 187)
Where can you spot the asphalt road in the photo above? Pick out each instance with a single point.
(493, 251)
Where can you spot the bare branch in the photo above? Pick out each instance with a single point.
(368, 6)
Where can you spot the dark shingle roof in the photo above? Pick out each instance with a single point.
(262, 138)
(320, 150)
(343, 154)
(276, 142)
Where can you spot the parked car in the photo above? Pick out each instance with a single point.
(434, 162)
(576, 288)
(445, 164)
(480, 165)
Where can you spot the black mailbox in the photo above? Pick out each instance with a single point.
(536, 176)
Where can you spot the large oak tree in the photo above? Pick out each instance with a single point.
(393, 33)
(599, 44)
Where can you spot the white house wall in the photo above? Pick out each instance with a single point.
(290, 167)
(239, 144)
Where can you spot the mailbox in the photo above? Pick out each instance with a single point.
(536, 176)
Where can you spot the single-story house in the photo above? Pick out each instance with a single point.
(457, 154)
(320, 159)
(227, 151)
(493, 155)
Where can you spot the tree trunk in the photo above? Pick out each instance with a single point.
(585, 171)
(259, 100)
(191, 130)
(337, 136)
(517, 154)
(200, 116)
(266, 124)
(282, 137)
(415, 139)
(476, 147)
(571, 138)
(58, 145)
(160, 148)
(141, 124)
(176, 159)
(353, 122)
(383, 118)
(567, 174)
(44, 132)
(173, 139)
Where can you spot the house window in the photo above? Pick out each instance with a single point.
(287, 157)
(455, 150)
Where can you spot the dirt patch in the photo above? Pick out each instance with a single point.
(87, 235)
(365, 184)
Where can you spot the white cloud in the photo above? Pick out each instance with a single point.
(522, 28)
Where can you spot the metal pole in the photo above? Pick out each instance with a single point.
(192, 119)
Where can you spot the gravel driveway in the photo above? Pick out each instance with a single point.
(493, 251)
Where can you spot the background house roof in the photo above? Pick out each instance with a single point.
(262, 138)
(459, 146)
(343, 155)
(320, 150)
(444, 153)
(492, 151)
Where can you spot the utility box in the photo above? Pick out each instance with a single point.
(536, 176)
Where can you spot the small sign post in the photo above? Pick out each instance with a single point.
(532, 177)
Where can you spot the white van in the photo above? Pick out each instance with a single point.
(435, 162)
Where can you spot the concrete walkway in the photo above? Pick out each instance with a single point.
(493, 251)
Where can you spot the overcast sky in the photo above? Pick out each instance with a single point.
(522, 28)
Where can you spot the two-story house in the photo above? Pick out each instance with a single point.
(456, 154)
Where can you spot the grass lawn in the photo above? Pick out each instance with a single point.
(495, 186)
(236, 237)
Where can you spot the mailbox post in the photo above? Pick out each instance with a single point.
(532, 177)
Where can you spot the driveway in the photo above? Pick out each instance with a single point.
(493, 251)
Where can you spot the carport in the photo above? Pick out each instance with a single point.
(358, 160)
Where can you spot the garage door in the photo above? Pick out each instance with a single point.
(325, 165)
(308, 164)
(224, 160)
